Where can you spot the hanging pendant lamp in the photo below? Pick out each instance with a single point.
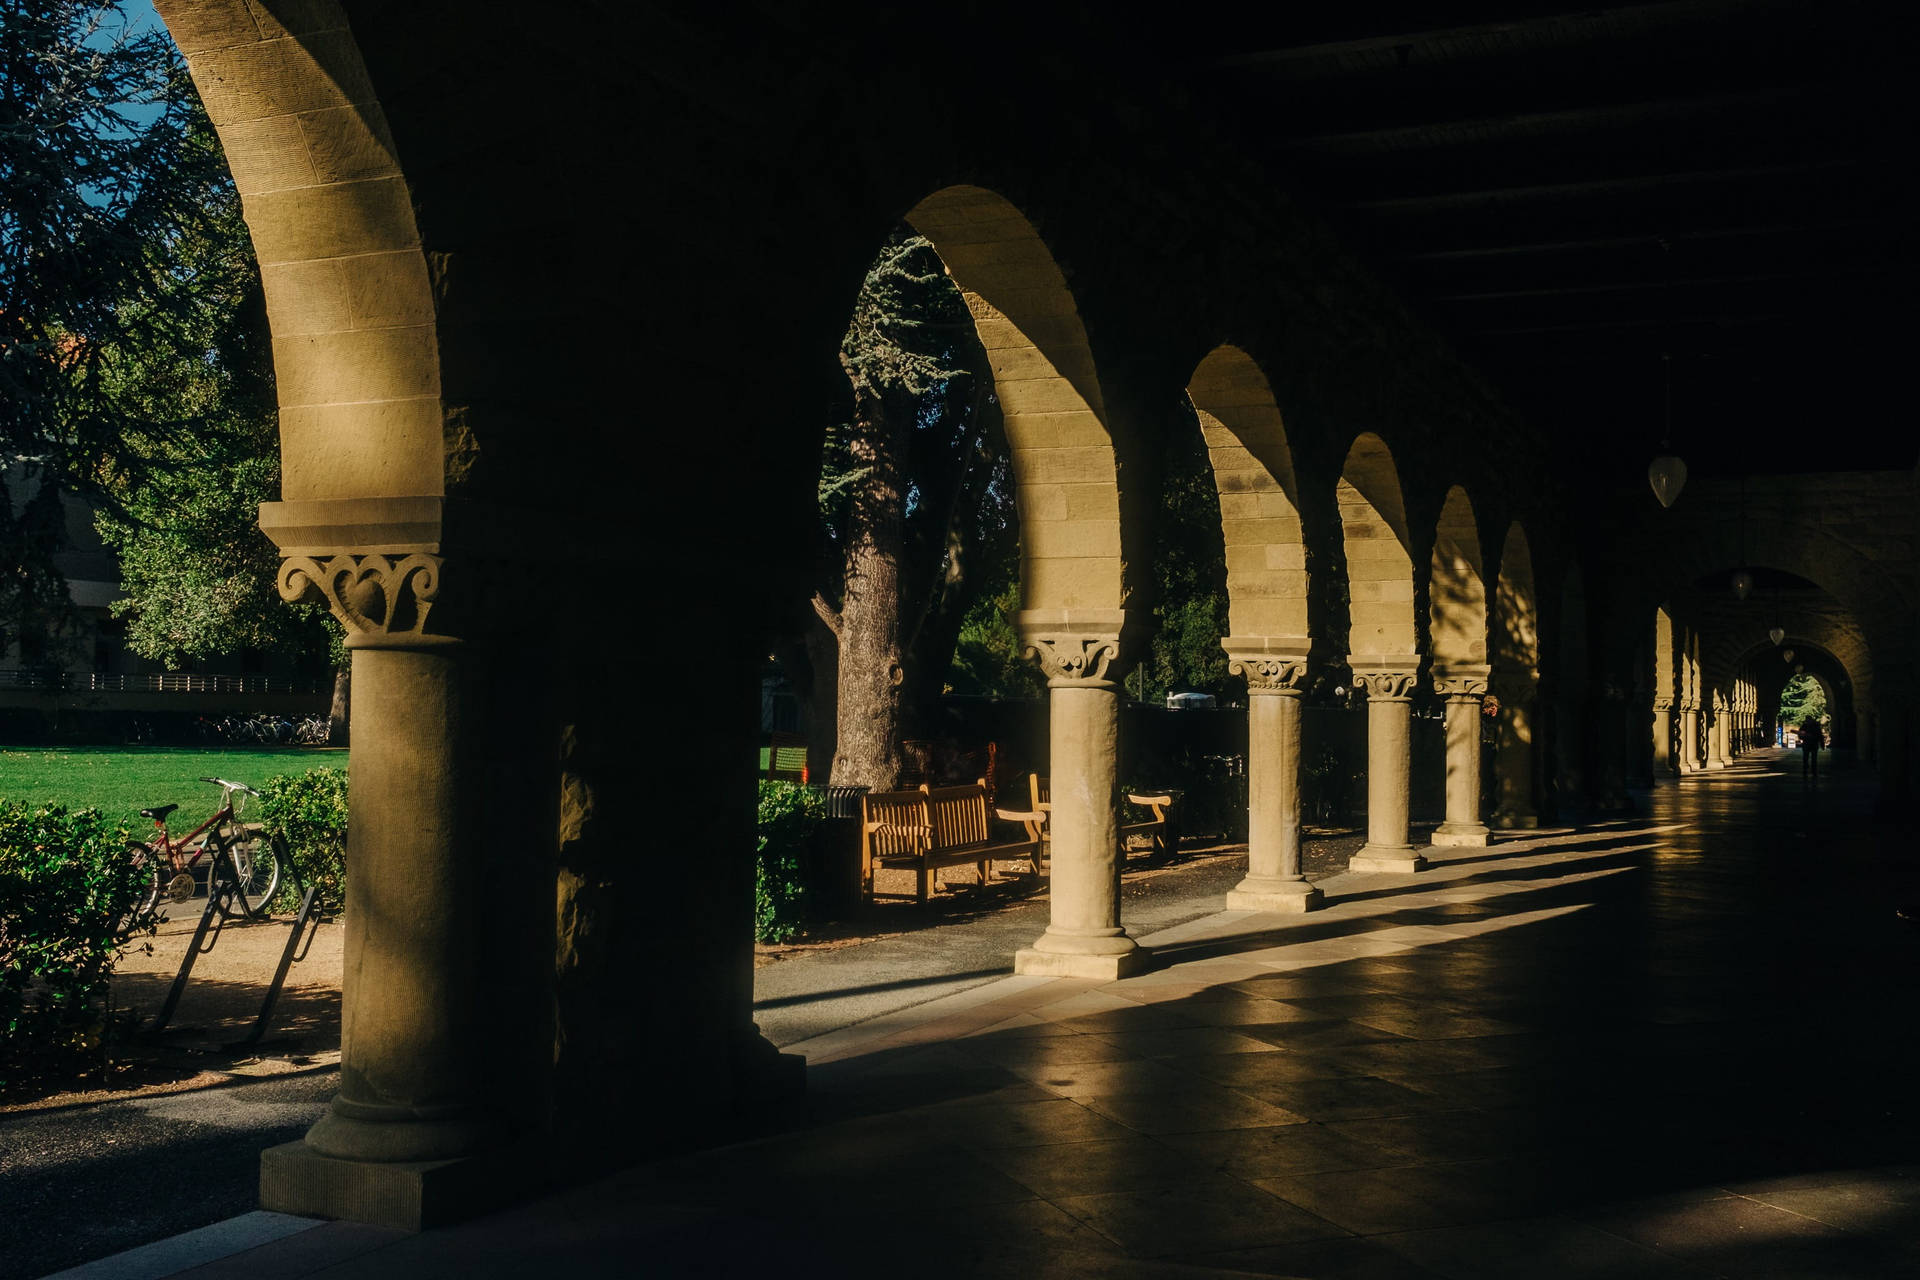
(1667, 474)
(1786, 655)
(1776, 635)
(1742, 584)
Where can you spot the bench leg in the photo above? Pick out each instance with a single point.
(926, 883)
(986, 874)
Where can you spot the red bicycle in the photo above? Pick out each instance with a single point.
(241, 869)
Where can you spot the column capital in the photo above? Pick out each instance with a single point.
(1457, 681)
(1271, 664)
(1514, 685)
(1663, 703)
(1389, 680)
(1076, 649)
(384, 602)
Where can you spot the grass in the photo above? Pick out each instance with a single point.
(121, 781)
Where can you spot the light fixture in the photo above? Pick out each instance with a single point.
(1742, 584)
(1776, 634)
(1786, 655)
(1666, 474)
(1798, 668)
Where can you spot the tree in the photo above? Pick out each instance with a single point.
(1802, 699)
(197, 572)
(916, 501)
(103, 174)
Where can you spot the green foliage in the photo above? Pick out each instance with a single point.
(68, 899)
(1802, 699)
(197, 571)
(790, 819)
(309, 812)
(1190, 563)
(987, 658)
(104, 179)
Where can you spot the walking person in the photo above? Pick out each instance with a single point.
(1811, 740)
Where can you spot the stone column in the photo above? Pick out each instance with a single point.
(1610, 733)
(1389, 767)
(1717, 734)
(1513, 752)
(1084, 937)
(445, 1016)
(1665, 762)
(1465, 689)
(1273, 881)
(1690, 738)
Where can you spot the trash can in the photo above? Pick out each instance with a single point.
(836, 853)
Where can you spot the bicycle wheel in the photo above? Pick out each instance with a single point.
(154, 874)
(254, 868)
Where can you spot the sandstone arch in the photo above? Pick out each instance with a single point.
(1457, 593)
(1050, 399)
(1515, 681)
(1373, 530)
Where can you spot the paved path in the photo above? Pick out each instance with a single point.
(1678, 1047)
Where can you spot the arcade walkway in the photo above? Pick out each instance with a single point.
(1680, 1047)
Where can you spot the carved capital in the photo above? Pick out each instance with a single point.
(1386, 686)
(1070, 660)
(1663, 703)
(383, 601)
(1461, 682)
(1270, 672)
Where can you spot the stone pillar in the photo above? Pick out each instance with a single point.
(1610, 733)
(1717, 735)
(1513, 752)
(1084, 937)
(446, 1034)
(1465, 689)
(1665, 760)
(1273, 881)
(1389, 767)
(1690, 739)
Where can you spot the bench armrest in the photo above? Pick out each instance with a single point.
(1149, 800)
(1020, 815)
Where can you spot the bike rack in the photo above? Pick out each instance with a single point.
(207, 934)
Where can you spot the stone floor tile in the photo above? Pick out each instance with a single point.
(1023, 1124)
(1095, 1168)
(1234, 1009)
(1281, 1151)
(1348, 1098)
(1188, 1041)
(1254, 1070)
(1414, 1198)
(1447, 1135)
(1211, 1214)
(1737, 1236)
(1532, 1248)
(1097, 1079)
(1344, 1258)
(1191, 1110)
(1030, 1051)
(1323, 1033)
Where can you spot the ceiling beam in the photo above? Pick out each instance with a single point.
(1467, 253)
(1441, 200)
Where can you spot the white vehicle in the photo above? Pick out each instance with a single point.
(1191, 702)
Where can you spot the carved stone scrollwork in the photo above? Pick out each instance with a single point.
(1072, 660)
(379, 599)
(1386, 686)
(1455, 682)
(1269, 672)
(1663, 704)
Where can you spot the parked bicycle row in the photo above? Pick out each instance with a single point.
(272, 730)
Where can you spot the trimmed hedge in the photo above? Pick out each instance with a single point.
(790, 818)
(69, 895)
(309, 811)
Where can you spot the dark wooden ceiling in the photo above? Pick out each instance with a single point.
(1588, 202)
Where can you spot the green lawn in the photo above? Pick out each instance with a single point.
(121, 781)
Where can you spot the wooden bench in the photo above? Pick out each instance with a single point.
(934, 827)
(786, 758)
(1159, 828)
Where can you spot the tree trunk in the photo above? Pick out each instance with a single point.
(868, 624)
(337, 716)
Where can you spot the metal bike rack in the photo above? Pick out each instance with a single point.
(207, 934)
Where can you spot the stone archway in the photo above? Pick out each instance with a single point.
(1267, 593)
(1515, 681)
(1457, 607)
(1381, 644)
(1072, 568)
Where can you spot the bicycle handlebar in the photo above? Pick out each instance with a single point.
(231, 786)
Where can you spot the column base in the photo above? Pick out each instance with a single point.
(407, 1195)
(1274, 895)
(1032, 962)
(1404, 859)
(1470, 835)
(1719, 764)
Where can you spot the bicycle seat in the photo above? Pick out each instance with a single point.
(159, 812)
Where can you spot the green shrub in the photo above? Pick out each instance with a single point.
(790, 818)
(70, 901)
(309, 812)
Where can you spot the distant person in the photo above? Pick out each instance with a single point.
(1811, 740)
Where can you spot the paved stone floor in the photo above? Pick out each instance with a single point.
(1683, 1046)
